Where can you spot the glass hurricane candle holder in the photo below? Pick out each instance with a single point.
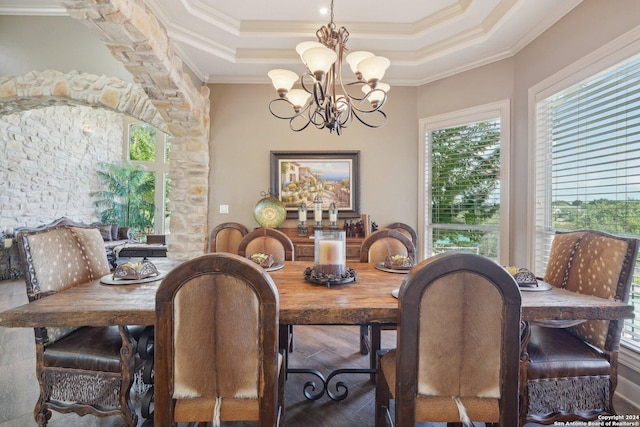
(330, 252)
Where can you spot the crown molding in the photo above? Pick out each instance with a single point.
(33, 10)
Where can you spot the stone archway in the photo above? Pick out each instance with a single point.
(53, 88)
(136, 38)
(49, 88)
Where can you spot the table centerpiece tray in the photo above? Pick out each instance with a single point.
(312, 276)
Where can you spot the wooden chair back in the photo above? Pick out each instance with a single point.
(382, 243)
(405, 229)
(216, 354)
(458, 339)
(226, 237)
(267, 241)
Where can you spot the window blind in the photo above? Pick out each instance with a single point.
(588, 164)
(463, 181)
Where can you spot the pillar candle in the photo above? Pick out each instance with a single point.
(331, 252)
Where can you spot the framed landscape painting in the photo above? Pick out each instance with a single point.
(298, 176)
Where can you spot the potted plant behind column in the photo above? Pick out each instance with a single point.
(127, 197)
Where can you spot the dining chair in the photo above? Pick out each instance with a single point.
(458, 345)
(277, 244)
(375, 248)
(84, 370)
(405, 229)
(569, 372)
(268, 241)
(216, 344)
(226, 237)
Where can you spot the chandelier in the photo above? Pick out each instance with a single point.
(324, 100)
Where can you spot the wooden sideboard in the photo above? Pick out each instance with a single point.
(304, 245)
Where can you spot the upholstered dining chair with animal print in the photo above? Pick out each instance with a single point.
(569, 372)
(216, 344)
(458, 345)
(226, 237)
(82, 370)
(375, 248)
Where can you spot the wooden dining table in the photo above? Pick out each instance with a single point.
(366, 300)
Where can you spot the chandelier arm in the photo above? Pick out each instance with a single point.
(370, 125)
(346, 116)
(287, 117)
(317, 118)
(293, 128)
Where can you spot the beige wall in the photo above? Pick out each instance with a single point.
(60, 43)
(243, 133)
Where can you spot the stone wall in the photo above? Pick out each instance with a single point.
(137, 39)
(48, 160)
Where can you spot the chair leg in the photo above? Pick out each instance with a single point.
(383, 396)
(284, 340)
(41, 413)
(364, 337)
(375, 342)
(290, 338)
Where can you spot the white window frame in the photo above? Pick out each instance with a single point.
(499, 109)
(160, 168)
(607, 56)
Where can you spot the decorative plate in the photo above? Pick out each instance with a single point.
(275, 267)
(110, 280)
(380, 266)
(269, 212)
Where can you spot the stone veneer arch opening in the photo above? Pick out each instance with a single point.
(53, 88)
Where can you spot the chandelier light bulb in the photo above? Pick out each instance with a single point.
(304, 46)
(298, 98)
(282, 80)
(354, 58)
(373, 68)
(377, 95)
(319, 59)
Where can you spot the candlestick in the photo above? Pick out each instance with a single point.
(333, 217)
(317, 212)
(302, 219)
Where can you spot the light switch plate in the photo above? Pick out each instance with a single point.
(224, 209)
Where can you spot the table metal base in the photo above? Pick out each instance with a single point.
(311, 391)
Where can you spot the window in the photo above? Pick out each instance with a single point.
(149, 147)
(463, 187)
(588, 163)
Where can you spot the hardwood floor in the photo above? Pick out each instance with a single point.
(320, 347)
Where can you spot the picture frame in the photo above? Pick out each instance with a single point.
(297, 176)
